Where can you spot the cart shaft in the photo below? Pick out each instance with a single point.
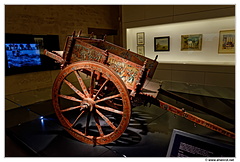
(181, 112)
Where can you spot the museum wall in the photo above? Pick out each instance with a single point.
(205, 67)
(28, 88)
(208, 52)
(61, 20)
(147, 15)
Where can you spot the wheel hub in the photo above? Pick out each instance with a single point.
(88, 103)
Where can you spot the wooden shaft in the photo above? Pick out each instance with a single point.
(195, 119)
(180, 112)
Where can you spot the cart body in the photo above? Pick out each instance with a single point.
(116, 80)
(132, 68)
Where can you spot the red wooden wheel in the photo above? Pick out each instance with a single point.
(81, 95)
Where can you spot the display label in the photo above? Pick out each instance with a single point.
(184, 144)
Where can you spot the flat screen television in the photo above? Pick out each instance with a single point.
(24, 53)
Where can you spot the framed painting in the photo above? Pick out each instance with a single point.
(140, 38)
(191, 42)
(161, 44)
(226, 41)
(141, 50)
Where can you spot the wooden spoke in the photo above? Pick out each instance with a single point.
(74, 89)
(108, 98)
(92, 84)
(100, 89)
(82, 84)
(69, 98)
(71, 108)
(98, 125)
(113, 104)
(109, 109)
(77, 119)
(87, 123)
(106, 120)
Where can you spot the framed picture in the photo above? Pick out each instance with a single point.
(141, 50)
(161, 43)
(191, 42)
(140, 38)
(226, 41)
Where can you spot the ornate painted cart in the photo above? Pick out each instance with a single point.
(98, 85)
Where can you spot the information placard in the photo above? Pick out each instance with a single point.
(185, 144)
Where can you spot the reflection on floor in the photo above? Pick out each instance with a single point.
(148, 134)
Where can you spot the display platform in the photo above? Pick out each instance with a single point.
(148, 135)
(45, 137)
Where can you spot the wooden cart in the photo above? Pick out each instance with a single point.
(97, 87)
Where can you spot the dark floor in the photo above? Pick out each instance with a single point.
(148, 134)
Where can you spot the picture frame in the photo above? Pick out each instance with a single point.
(141, 50)
(162, 44)
(226, 42)
(140, 38)
(191, 42)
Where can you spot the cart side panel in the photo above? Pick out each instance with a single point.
(84, 51)
(131, 56)
(128, 71)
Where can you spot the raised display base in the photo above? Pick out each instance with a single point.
(148, 134)
(46, 137)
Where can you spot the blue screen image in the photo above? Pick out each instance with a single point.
(22, 54)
